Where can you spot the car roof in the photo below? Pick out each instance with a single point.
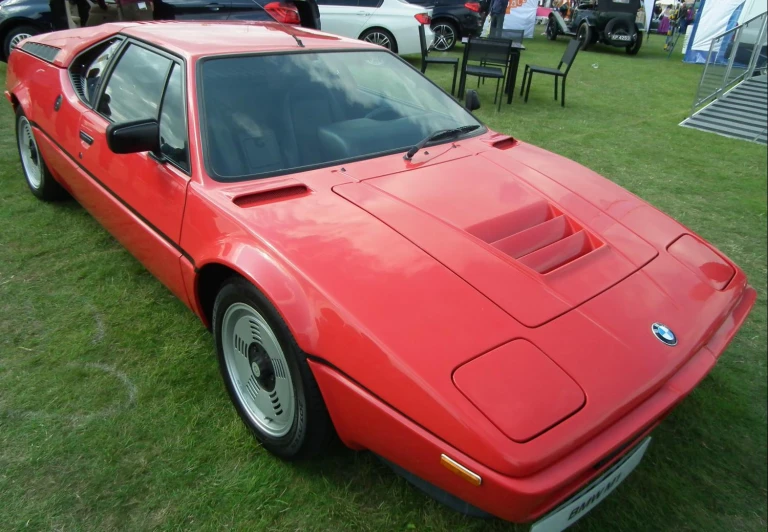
(196, 39)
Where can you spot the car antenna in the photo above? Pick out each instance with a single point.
(295, 38)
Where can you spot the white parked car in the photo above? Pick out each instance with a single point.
(393, 24)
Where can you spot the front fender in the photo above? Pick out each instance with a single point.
(210, 237)
(270, 277)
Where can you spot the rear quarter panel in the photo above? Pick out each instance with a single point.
(36, 85)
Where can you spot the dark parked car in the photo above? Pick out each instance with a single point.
(454, 19)
(20, 19)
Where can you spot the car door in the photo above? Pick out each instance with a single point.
(192, 9)
(343, 17)
(142, 83)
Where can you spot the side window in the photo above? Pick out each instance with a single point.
(135, 87)
(346, 3)
(173, 123)
(89, 74)
(370, 3)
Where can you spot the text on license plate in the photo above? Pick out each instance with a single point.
(584, 501)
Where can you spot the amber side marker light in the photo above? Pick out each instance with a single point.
(463, 472)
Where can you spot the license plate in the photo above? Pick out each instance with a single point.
(579, 505)
(621, 37)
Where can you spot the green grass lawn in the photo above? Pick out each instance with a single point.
(113, 414)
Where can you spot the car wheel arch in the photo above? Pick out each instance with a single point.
(282, 290)
(381, 28)
(448, 18)
(9, 26)
(15, 103)
(20, 98)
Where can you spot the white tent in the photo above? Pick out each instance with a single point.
(715, 17)
(521, 15)
(752, 8)
(648, 8)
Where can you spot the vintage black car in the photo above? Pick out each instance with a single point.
(612, 22)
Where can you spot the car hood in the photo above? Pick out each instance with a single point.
(535, 255)
(484, 279)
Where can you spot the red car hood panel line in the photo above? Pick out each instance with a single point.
(465, 227)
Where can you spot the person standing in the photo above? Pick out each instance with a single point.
(102, 13)
(134, 10)
(674, 26)
(684, 18)
(125, 10)
(498, 10)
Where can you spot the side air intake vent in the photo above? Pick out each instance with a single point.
(41, 51)
(78, 84)
(544, 239)
(271, 195)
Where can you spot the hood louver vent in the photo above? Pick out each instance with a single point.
(41, 51)
(545, 241)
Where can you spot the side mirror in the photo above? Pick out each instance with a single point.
(134, 137)
(471, 100)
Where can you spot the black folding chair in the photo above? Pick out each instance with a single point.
(436, 60)
(567, 60)
(510, 35)
(494, 52)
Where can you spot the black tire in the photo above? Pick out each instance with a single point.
(14, 34)
(377, 35)
(446, 35)
(39, 179)
(551, 30)
(635, 47)
(584, 36)
(311, 430)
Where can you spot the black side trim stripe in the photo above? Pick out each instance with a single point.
(133, 211)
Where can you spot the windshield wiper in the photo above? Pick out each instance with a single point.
(439, 134)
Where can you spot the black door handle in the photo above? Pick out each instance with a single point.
(85, 137)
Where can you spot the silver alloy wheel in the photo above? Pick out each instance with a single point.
(30, 155)
(258, 370)
(376, 37)
(18, 38)
(445, 37)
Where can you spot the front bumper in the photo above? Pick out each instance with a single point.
(364, 422)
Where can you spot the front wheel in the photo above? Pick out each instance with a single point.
(267, 375)
(381, 37)
(635, 47)
(445, 36)
(15, 36)
(551, 30)
(39, 179)
(584, 36)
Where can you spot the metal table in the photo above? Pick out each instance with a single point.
(514, 63)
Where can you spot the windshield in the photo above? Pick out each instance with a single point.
(266, 115)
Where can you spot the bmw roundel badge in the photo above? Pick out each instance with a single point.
(664, 334)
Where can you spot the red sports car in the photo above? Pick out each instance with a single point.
(502, 325)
